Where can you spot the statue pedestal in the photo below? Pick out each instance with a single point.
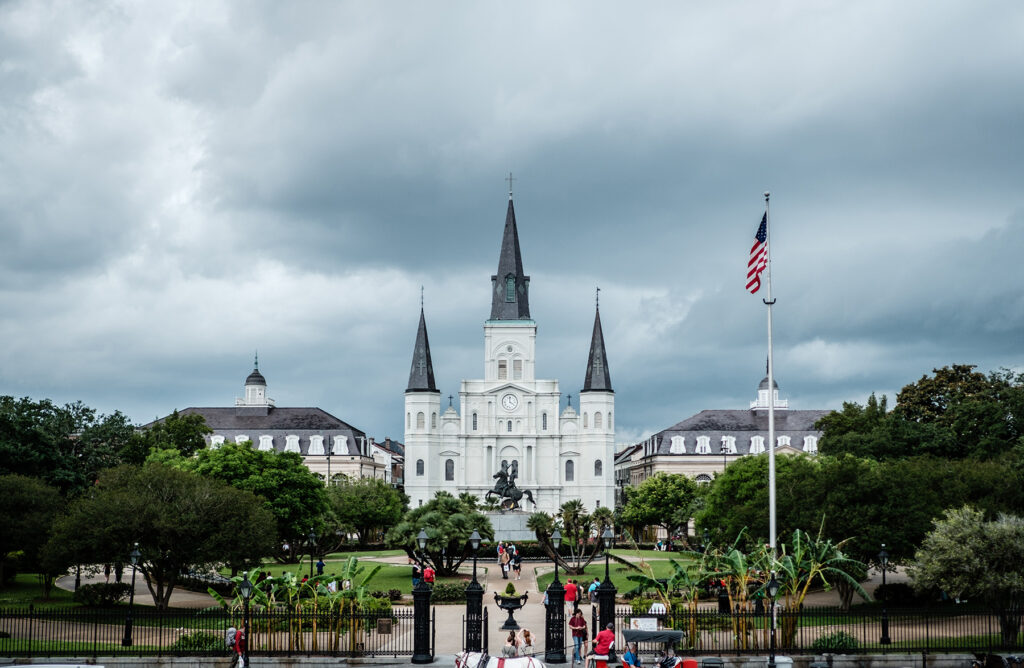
(510, 526)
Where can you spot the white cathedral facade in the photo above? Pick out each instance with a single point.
(510, 417)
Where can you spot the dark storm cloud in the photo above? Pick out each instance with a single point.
(182, 184)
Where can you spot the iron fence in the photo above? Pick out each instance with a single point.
(944, 629)
(100, 632)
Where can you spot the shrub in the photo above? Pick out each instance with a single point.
(837, 641)
(901, 593)
(101, 595)
(200, 641)
(449, 592)
(390, 594)
(510, 589)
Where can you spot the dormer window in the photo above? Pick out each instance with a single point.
(784, 441)
(316, 445)
(340, 445)
(266, 442)
(510, 288)
(677, 446)
(216, 441)
(810, 443)
(729, 445)
(756, 445)
(703, 445)
(291, 443)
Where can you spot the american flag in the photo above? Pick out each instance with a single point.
(758, 256)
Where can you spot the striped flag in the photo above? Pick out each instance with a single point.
(758, 256)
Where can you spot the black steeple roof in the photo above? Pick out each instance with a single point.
(256, 378)
(510, 288)
(421, 376)
(598, 378)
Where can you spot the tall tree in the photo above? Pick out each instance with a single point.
(182, 433)
(28, 507)
(448, 523)
(181, 521)
(366, 505)
(295, 495)
(665, 500)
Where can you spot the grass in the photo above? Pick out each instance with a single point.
(618, 572)
(26, 590)
(334, 563)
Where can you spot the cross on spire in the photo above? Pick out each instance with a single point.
(597, 297)
(421, 296)
(449, 401)
(510, 179)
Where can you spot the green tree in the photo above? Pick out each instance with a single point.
(295, 495)
(181, 521)
(665, 500)
(577, 527)
(28, 507)
(65, 446)
(448, 522)
(182, 433)
(965, 556)
(366, 505)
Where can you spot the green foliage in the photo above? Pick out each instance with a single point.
(965, 556)
(510, 589)
(836, 641)
(367, 505)
(391, 594)
(180, 520)
(296, 496)
(448, 522)
(28, 507)
(102, 594)
(183, 434)
(64, 446)
(200, 641)
(665, 500)
(449, 592)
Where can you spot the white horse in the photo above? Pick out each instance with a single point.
(481, 660)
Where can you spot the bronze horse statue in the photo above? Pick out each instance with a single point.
(506, 490)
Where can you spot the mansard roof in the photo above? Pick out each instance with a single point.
(598, 377)
(421, 375)
(740, 424)
(510, 264)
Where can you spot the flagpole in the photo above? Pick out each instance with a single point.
(771, 386)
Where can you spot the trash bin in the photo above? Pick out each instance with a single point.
(723, 603)
(712, 662)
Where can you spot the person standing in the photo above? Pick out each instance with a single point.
(505, 559)
(570, 596)
(417, 573)
(592, 590)
(320, 566)
(517, 565)
(578, 627)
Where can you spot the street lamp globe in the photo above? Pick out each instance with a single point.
(135, 555)
(245, 588)
(474, 540)
(421, 539)
(607, 537)
(556, 538)
(773, 586)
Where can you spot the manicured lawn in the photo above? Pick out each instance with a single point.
(334, 562)
(646, 554)
(26, 590)
(662, 569)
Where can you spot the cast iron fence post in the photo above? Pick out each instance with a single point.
(421, 650)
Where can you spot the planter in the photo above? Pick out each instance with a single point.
(511, 604)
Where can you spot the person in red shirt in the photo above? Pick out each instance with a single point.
(428, 575)
(570, 595)
(603, 642)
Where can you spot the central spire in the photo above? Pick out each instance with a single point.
(421, 375)
(510, 288)
(598, 378)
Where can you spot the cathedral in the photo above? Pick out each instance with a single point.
(509, 421)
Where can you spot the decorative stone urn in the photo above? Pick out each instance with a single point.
(511, 604)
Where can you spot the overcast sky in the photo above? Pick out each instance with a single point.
(182, 184)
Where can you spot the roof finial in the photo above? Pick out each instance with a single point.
(421, 297)
(597, 297)
(510, 179)
(256, 361)
(569, 400)
(449, 401)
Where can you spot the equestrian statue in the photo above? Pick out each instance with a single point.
(505, 489)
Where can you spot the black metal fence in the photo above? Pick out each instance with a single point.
(945, 629)
(85, 632)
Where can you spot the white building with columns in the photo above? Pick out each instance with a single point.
(509, 415)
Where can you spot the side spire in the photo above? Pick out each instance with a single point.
(598, 378)
(510, 287)
(421, 376)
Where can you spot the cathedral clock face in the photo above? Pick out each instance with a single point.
(509, 402)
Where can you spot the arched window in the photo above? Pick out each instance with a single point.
(810, 443)
(433, 420)
(703, 445)
(543, 421)
(474, 421)
(703, 479)
(585, 420)
(597, 420)
(340, 445)
(598, 468)
(408, 420)
(502, 369)
(421, 420)
(510, 288)
(610, 425)
(677, 446)
(517, 369)
(449, 469)
(419, 467)
(316, 445)
(570, 471)
(291, 443)
(241, 438)
(509, 429)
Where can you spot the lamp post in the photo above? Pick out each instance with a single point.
(706, 541)
(474, 602)
(773, 590)
(421, 613)
(246, 590)
(554, 626)
(126, 641)
(606, 592)
(883, 559)
(329, 453)
(311, 537)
